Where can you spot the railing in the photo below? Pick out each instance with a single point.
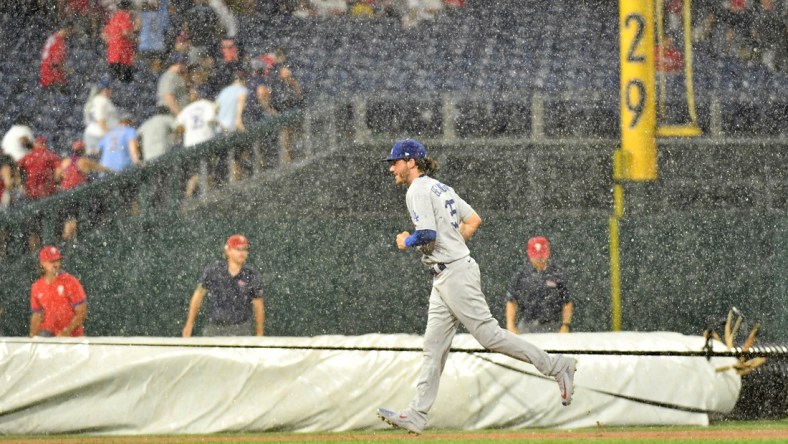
(508, 117)
(160, 186)
(536, 116)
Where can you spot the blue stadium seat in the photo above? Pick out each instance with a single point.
(486, 46)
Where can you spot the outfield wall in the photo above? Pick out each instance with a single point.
(322, 234)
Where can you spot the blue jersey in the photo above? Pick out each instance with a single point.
(114, 147)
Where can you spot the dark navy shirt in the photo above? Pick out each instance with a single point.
(230, 297)
(254, 112)
(540, 296)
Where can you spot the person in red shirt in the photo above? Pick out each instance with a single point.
(38, 170)
(72, 7)
(668, 58)
(53, 58)
(120, 33)
(57, 299)
(73, 172)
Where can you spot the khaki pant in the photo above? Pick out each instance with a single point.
(538, 327)
(243, 329)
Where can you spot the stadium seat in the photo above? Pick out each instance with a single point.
(505, 45)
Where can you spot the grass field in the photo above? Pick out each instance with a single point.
(721, 432)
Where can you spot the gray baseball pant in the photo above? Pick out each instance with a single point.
(456, 298)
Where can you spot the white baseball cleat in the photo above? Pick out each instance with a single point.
(566, 380)
(400, 420)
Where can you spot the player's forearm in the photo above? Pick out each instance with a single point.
(469, 226)
(421, 237)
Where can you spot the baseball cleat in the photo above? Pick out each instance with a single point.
(400, 420)
(566, 380)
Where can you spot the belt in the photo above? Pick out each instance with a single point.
(226, 323)
(436, 269)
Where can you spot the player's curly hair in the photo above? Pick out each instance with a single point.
(427, 165)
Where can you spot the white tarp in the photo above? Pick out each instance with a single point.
(113, 385)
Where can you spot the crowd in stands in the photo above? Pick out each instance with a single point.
(753, 30)
(151, 76)
(408, 12)
(192, 49)
(202, 64)
(201, 92)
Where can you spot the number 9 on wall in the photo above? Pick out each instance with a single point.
(637, 105)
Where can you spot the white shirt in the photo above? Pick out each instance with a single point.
(156, 135)
(226, 16)
(11, 144)
(325, 8)
(199, 122)
(100, 108)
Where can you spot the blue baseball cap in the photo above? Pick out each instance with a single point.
(407, 149)
(103, 83)
(178, 58)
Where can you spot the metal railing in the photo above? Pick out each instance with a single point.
(160, 186)
(539, 116)
(437, 118)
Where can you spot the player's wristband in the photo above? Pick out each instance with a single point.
(420, 237)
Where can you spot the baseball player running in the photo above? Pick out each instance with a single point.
(443, 223)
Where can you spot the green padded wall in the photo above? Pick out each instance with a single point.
(322, 235)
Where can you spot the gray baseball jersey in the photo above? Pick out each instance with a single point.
(435, 206)
(457, 296)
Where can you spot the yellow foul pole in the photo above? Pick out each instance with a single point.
(636, 160)
(638, 101)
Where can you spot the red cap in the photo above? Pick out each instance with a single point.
(236, 241)
(49, 254)
(538, 248)
(183, 37)
(41, 140)
(78, 145)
